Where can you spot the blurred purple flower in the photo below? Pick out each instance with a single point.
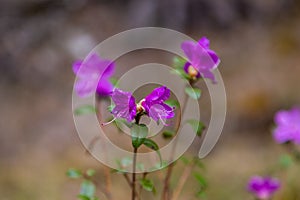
(93, 73)
(124, 105)
(263, 187)
(201, 59)
(287, 126)
(153, 105)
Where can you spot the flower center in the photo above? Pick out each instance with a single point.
(192, 71)
(139, 107)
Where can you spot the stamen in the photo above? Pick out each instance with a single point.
(107, 123)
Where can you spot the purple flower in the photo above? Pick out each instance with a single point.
(263, 187)
(93, 73)
(201, 59)
(152, 105)
(124, 105)
(287, 126)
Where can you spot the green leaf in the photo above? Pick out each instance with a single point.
(126, 161)
(201, 194)
(90, 172)
(201, 180)
(114, 81)
(168, 134)
(179, 62)
(200, 164)
(110, 107)
(87, 189)
(74, 173)
(83, 197)
(148, 185)
(197, 126)
(194, 93)
(172, 103)
(285, 161)
(85, 109)
(152, 145)
(185, 160)
(139, 133)
(181, 73)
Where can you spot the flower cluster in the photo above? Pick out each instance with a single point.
(152, 105)
(287, 126)
(263, 187)
(93, 73)
(201, 59)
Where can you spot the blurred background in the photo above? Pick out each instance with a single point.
(259, 46)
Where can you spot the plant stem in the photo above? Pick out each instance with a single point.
(186, 173)
(166, 191)
(133, 183)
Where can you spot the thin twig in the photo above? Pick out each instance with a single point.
(133, 183)
(186, 173)
(166, 191)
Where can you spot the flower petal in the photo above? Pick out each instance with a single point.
(161, 112)
(124, 105)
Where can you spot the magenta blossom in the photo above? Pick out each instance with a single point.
(287, 126)
(263, 187)
(93, 73)
(153, 105)
(201, 59)
(124, 105)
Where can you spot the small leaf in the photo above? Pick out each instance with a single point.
(85, 109)
(110, 107)
(83, 197)
(126, 161)
(114, 81)
(185, 160)
(200, 164)
(197, 126)
(194, 93)
(152, 145)
(201, 194)
(201, 180)
(90, 172)
(139, 133)
(179, 62)
(140, 166)
(172, 103)
(148, 185)
(285, 161)
(87, 189)
(74, 173)
(168, 134)
(181, 73)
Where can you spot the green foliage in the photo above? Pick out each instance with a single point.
(202, 183)
(172, 103)
(139, 133)
(178, 68)
(148, 185)
(168, 134)
(152, 145)
(74, 173)
(197, 126)
(193, 92)
(285, 161)
(179, 62)
(87, 190)
(90, 172)
(114, 81)
(85, 109)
